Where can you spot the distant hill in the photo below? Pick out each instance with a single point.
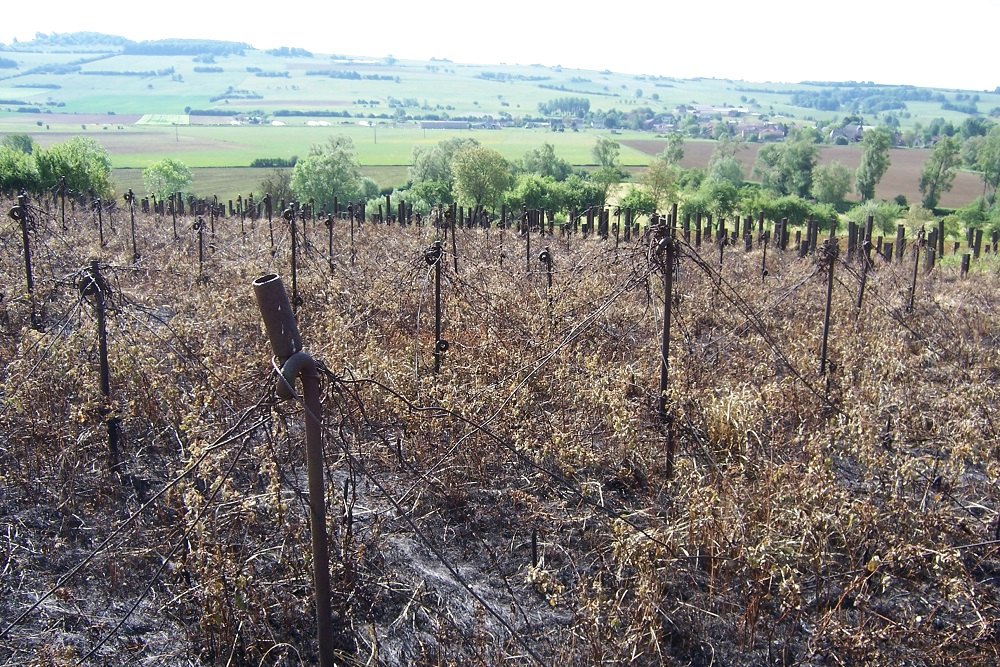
(92, 72)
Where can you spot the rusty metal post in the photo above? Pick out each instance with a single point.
(454, 242)
(545, 257)
(62, 197)
(22, 214)
(665, 251)
(830, 252)
(526, 229)
(289, 215)
(916, 265)
(866, 260)
(93, 285)
(268, 208)
(329, 229)
(99, 205)
(130, 200)
(350, 214)
(173, 213)
(199, 226)
(433, 256)
(283, 334)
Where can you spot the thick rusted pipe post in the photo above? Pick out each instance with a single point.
(283, 334)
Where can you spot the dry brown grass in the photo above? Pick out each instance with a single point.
(810, 521)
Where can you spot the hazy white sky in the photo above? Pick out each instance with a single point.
(942, 44)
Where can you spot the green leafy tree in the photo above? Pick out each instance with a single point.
(580, 192)
(605, 152)
(831, 183)
(939, 170)
(17, 171)
(432, 192)
(19, 142)
(434, 163)
(83, 162)
(166, 176)
(787, 168)
(639, 200)
(662, 180)
(330, 170)
(725, 168)
(481, 175)
(885, 214)
(278, 184)
(988, 164)
(535, 191)
(544, 162)
(674, 151)
(874, 161)
(609, 173)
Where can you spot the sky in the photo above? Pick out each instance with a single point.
(946, 44)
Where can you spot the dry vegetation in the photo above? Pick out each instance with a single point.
(851, 519)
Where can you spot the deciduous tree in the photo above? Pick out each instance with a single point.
(988, 164)
(481, 175)
(831, 183)
(330, 170)
(939, 170)
(83, 162)
(874, 161)
(544, 162)
(166, 176)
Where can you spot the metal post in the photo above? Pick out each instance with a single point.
(433, 256)
(830, 251)
(199, 226)
(93, 285)
(545, 257)
(130, 199)
(329, 229)
(286, 344)
(22, 214)
(916, 265)
(665, 251)
(866, 260)
(289, 215)
(62, 197)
